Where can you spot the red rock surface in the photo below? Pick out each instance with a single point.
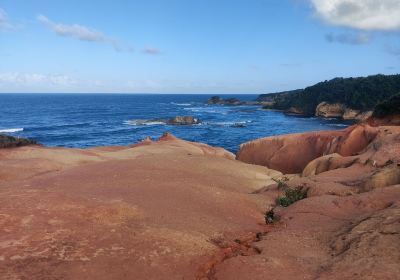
(172, 209)
(291, 153)
(148, 212)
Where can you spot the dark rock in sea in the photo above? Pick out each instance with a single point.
(239, 125)
(7, 141)
(183, 120)
(216, 100)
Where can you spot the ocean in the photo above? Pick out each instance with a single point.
(87, 120)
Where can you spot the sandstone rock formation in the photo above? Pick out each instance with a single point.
(338, 110)
(291, 153)
(327, 110)
(143, 212)
(173, 209)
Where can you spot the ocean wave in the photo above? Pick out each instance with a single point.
(212, 110)
(228, 123)
(11, 130)
(181, 104)
(144, 122)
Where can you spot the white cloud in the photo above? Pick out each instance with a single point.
(349, 38)
(82, 33)
(33, 79)
(360, 14)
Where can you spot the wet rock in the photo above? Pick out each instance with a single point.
(183, 120)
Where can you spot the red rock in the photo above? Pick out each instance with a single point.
(291, 153)
(173, 209)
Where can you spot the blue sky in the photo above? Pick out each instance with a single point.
(193, 46)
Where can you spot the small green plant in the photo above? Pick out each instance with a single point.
(291, 196)
(237, 241)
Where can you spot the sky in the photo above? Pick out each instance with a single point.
(193, 46)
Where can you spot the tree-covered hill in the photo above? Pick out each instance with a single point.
(388, 107)
(362, 93)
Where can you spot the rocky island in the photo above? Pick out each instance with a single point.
(177, 120)
(321, 205)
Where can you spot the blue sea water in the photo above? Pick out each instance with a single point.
(86, 120)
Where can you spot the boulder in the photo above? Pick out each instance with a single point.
(328, 162)
(183, 120)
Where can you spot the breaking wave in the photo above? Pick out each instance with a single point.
(144, 122)
(11, 130)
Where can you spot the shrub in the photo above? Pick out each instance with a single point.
(291, 196)
(388, 107)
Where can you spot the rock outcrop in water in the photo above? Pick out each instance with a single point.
(178, 120)
(173, 209)
(183, 120)
(7, 141)
(216, 100)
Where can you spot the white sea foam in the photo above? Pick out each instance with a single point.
(144, 122)
(11, 130)
(232, 123)
(181, 104)
(209, 110)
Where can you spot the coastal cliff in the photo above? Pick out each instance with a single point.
(347, 98)
(338, 110)
(173, 209)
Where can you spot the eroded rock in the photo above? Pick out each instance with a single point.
(291, 153)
